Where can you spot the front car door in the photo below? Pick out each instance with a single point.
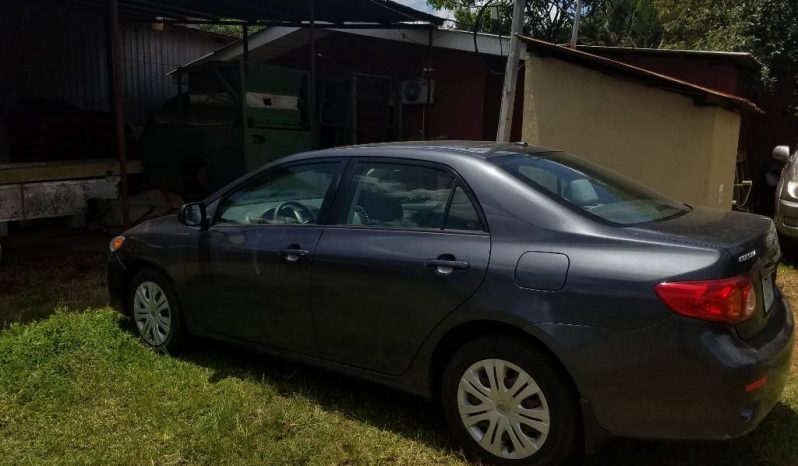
(251, 275)
(406, 246)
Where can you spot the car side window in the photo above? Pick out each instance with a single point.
(406, 196)
(286, 196)
(462, 213)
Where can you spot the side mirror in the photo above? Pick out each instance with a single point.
(782, 154)
(193, 215)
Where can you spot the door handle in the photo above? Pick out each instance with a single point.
(293, 254)
(445, 266)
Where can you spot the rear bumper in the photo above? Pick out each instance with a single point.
(681, 379)
(787, 218)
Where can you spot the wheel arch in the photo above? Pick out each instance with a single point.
(132, 268)
(593, 435)
(455, 337)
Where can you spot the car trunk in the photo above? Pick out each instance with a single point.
(751, 242)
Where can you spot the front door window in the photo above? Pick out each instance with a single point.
(286, 196)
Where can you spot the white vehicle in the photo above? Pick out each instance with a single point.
(786, 214)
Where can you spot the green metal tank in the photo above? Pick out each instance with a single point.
(228, 119)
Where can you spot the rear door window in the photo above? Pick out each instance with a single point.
(462, 214)
(407, 196)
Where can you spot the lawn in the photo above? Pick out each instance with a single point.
(77, 388)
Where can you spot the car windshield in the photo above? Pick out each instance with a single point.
(590, 188)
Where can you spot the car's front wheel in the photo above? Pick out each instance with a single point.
(508, 403)
(155, 311)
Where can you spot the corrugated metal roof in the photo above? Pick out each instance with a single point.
(57, 53)
(739, 58)
(668, 83)
(287, 11)
(275, 41)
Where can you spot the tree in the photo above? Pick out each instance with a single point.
(631, 23)
(765, 28)
(703, 25)
(549, 20)
(230, 30)
(624, 23)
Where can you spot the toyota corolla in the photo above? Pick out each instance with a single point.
(547, 303)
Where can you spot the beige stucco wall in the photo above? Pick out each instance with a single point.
(659, 138)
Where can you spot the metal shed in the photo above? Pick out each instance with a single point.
(102, 30)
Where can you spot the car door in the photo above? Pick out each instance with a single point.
(406, 246)
(251, 275)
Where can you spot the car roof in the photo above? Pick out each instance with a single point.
(478, 149)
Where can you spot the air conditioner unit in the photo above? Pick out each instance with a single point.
(414, 92)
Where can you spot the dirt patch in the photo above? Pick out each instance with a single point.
(788, 283)
(48, 268)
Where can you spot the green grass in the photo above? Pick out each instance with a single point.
(77, 388)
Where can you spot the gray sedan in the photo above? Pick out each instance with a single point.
(546, 302)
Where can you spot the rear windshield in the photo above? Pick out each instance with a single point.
(590, 188)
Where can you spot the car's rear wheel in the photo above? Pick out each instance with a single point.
(508, 403)
(155, 312)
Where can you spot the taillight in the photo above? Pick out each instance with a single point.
(728, 300)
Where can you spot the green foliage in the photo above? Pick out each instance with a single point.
(704, 25)
(230, 30)
(767, 29)
(623, 23)
(604, 22)
(549, 20)
(79, 389)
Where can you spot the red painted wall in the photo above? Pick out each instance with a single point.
(467, 96)
(714, 73)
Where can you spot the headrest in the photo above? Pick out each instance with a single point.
(380, 207)
(582, 192)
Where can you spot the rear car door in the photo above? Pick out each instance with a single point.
(251, 275)
(406, 246)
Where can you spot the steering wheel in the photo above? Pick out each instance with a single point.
(364, 216)
(302, 214)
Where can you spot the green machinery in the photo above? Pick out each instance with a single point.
(228, 119)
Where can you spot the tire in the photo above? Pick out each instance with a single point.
(555, 441)
(150, 286)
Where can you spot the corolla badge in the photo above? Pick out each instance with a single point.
(747, 256)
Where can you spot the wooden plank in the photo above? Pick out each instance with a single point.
(17, 173)
(12, 206)
(53, 198)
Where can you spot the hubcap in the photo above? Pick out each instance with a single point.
(503, 409)
(152, 313)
